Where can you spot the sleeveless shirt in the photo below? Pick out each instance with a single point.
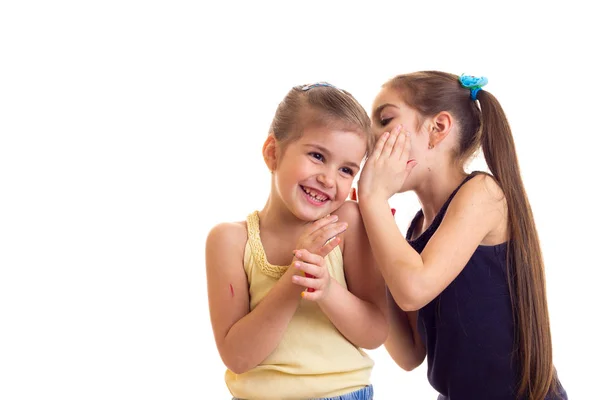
(313, 358)
(468, 329)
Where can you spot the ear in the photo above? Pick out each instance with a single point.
(440, 127)
(270, 152)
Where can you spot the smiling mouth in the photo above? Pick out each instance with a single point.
(315, 194)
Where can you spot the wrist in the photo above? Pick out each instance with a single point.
(370, 200)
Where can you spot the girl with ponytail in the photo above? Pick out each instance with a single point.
(466, 287)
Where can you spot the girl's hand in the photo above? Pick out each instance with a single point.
(321, 236)
(388, 165)
(317, 276)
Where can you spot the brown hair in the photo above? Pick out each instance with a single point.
(320, 105)
(430, 92)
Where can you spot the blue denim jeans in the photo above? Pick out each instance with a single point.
(365, 393)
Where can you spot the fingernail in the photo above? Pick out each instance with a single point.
(297, 264)
(334, 217)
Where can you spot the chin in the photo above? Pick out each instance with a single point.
(314, 214)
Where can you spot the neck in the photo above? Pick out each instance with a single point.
(435, 190)
(276, 217)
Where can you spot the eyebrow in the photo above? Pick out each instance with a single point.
(327, 153)
(381, 107)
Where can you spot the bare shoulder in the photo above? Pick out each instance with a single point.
(355, 234)
(349, 212)
(482, 201)
(483, 190)
(230, 236)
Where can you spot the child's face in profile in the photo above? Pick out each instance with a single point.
(314, 174)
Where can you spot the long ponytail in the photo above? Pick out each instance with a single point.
(525, 267)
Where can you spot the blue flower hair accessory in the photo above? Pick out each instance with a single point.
(474, 83)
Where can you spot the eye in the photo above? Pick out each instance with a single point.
(317, 156)
(347, 171)
(385, 121)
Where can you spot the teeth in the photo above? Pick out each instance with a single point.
(314, 195)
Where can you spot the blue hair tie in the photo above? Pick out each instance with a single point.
(474, 83)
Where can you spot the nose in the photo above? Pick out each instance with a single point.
(326, 178)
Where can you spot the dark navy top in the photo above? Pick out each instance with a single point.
(468, 329)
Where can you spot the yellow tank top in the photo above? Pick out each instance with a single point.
(313, 358)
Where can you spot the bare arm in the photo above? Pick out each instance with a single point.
(404, 343)
(415, 279)
(244, 339)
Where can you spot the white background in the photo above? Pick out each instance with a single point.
(128, 129)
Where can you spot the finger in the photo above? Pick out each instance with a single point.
(310, 270)
(409, 166)
(389, 144)
(328, 232)
(312, 296)
(320, 223)
(306, 256)
(308, 283)
(406, 148)
(332, 244)
(398, 149)
(309, 276)
(378, 147)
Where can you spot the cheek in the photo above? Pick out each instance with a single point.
(419, 143)
(377, 132)
(343, 188)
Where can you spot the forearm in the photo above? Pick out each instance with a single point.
(251, 339)
(400, 265)
(403, 343)
(361, 322)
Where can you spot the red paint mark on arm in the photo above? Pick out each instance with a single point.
(231, 289)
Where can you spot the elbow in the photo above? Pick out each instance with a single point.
(408, 359)
(375, 342)
(409, 366)
(410, 298)
(237, 365)
(238, 370)
(377, 336)
(408, 305)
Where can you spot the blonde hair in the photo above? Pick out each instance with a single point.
(319, 105)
